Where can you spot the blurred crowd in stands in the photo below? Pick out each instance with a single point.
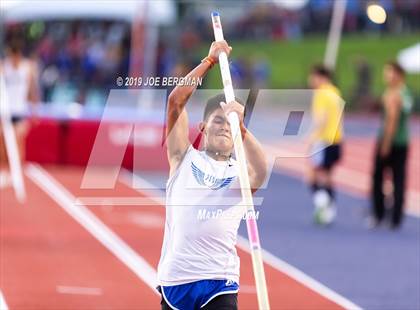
(402, 16)
(77, 60)
(80, 60)
(266, 20)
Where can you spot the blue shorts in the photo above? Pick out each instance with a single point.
(196, 295)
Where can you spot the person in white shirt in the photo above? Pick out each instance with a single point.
(199, 266)
(20, 76)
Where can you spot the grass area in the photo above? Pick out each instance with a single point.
(291, 60)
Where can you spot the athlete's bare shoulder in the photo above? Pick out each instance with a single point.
(392, 94)
(392, 98)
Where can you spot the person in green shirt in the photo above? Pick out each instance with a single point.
(392, 146)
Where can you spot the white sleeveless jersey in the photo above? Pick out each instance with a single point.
(17, 85)
(202, 220)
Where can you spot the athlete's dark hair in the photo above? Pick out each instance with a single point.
(322, 71)
(214, 103)
(396, 67)
(15, 40)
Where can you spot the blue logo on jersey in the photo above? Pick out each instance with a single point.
(209, 180)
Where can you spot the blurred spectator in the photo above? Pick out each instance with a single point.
(21, 82)
(321, 11)
(261, 72)
(81, 59)
(392, 147)
(362, 92)
(326, 140)
(241, 72)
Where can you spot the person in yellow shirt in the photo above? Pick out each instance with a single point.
(325, 140)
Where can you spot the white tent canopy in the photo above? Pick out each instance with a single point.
(291, 4)
(158, 12)
(409, 58)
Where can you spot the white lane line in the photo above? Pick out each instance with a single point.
(78, 290)
(269, 259)
(3, 305)
(299, 276)
(93, 225)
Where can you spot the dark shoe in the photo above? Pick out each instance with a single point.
(394, 226)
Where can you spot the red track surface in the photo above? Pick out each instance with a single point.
(42, 248)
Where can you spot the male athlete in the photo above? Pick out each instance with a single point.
(326, 142)
(20, 75)
(199, 267)
(392, 145)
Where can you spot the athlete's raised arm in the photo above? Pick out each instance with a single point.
(257, 162)
(177, 140)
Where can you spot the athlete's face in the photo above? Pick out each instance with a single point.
(390, 75)
(314, 81)
(217, 135)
